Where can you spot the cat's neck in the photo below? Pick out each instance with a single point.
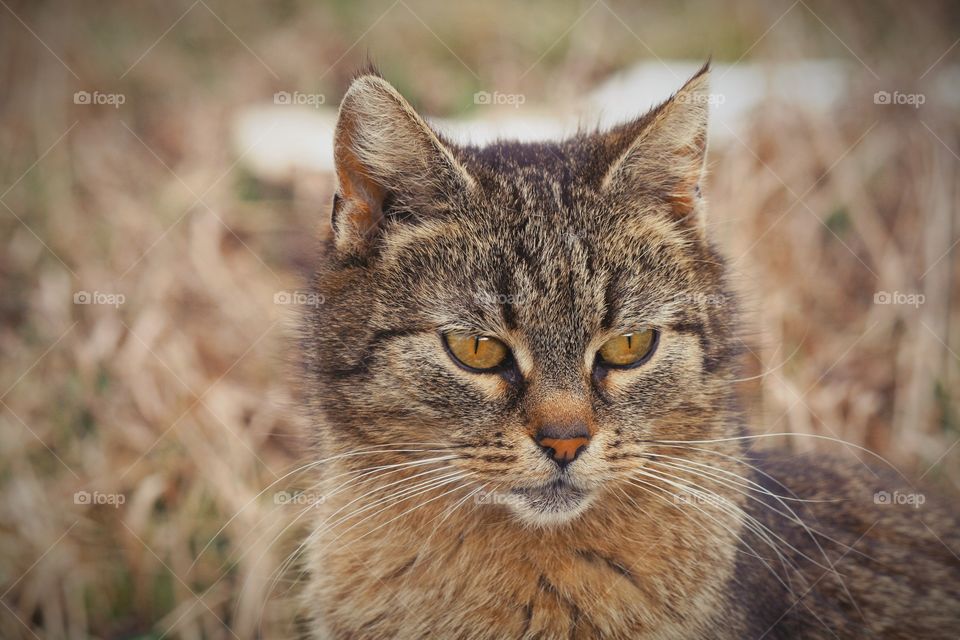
(649, 553)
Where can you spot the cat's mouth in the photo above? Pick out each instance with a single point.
(551, 503)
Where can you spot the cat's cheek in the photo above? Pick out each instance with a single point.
(619, 385)
(420, 359)
(493, 387)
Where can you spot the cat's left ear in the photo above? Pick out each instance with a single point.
(665, 151)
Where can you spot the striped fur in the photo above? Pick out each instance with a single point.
(555, 248)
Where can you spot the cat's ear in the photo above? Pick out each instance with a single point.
(387, 159)
(665, 150)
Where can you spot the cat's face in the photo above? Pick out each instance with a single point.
(543, 312)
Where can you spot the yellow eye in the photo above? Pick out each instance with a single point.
(477, 352)
(629, 349)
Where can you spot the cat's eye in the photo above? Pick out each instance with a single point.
(629, 349)
(476, 352)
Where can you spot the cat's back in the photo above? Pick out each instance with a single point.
(860, 553)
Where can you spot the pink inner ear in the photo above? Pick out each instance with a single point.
(688, 163)
(681, 205)
(683, 198)
(361, 195)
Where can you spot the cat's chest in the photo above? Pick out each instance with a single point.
(470, 579)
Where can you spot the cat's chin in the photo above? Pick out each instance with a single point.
(550, 505)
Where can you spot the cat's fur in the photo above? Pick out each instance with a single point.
(673, 529)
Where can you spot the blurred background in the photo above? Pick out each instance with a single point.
(166, 174)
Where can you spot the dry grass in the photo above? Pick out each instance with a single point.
(178, 400)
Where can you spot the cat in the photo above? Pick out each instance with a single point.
(522, 394)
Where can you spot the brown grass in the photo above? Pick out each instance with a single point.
(178, 399)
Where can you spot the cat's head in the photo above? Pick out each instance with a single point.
(542, 311)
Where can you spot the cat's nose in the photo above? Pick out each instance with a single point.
(563, 443)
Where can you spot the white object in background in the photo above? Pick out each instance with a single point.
(278, 141)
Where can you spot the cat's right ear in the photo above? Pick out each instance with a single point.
(388, 160)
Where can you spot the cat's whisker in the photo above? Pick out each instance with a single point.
(636, 508)
(659, 492)
(378, 472)
(741, 461)
(723, 503)
(388, 498)
(391, 468)
(443, 518)
(764, 533)
(320, 528)
(781, 558)
(461, 476)
(365, 474)
(429, 484)
(447, 513)
(300, 469)
(740, 480)
(754, 486)
(403, 490)
(847, 548)
(739, 487)
(677, 504)
(816, 436)
(684, 465)
(767, 372)
(793, 517)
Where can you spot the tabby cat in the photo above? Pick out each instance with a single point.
(522, 394)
